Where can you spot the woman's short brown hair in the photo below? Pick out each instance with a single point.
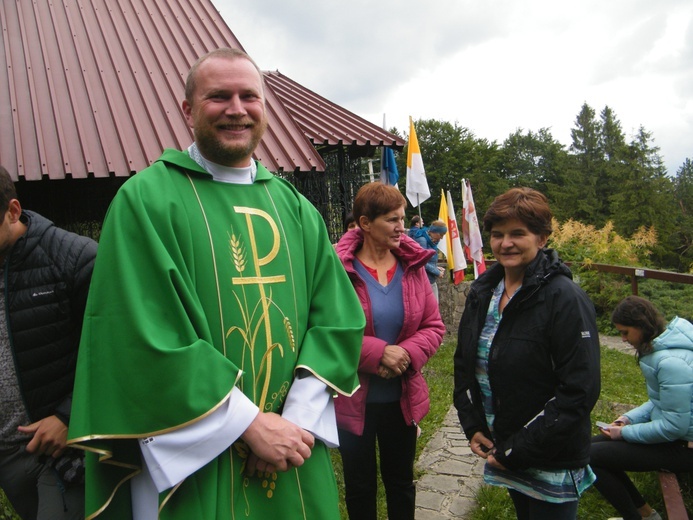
(375, 199)
(524, 204)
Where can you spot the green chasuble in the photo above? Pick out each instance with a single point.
(200, 286)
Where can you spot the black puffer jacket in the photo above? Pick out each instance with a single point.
(543, 368)
(47, 274)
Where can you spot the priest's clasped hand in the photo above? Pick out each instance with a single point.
(276, 444)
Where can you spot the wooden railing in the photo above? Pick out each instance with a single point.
(635, 273)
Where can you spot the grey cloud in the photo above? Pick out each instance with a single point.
(347, 51)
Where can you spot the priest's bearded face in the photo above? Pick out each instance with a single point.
(227, 110)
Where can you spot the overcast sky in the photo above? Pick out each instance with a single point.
(491, 66)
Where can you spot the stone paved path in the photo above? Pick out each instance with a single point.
(452, 473)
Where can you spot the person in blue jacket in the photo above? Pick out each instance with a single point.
(415, 224)
(659, 433)
(428, 238)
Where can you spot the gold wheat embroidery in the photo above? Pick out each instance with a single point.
(256, 321)
(238, 253)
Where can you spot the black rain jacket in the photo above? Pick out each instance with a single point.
(543, 368)
(47, 274)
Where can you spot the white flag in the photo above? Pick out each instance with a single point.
(471, 231)
(417, 185)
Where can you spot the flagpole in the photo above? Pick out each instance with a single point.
(382, 157)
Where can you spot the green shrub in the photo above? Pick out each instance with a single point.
(6, 509)
(585, 245)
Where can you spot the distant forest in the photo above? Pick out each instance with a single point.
(602, 177)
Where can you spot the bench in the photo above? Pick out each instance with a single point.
(671, 493)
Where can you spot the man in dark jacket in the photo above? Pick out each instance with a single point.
(45, 279)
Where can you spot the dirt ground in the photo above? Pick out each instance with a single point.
(615, 343)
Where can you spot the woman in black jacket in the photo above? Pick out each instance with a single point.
(527, 364)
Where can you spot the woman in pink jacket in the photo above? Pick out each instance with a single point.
(403, 330)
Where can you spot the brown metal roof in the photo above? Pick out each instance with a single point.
(94, 88)
(325, 123)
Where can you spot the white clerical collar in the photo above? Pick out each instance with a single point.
(222, 173)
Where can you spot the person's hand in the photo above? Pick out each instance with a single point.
(277, 444)
(614, 432)
(442, 272)
(49, 436)
(385, 372)
(396, 359)
(491, 461)
(605, 431)
(255, 463)
(481, 445)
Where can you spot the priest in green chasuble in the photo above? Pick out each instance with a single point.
(220, 324)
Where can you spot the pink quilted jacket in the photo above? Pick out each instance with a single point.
(421, 334)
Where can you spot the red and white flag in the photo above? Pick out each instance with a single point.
(471, 231)
(451, 245)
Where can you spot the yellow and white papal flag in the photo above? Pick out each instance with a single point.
(417, 185)
(451, 244)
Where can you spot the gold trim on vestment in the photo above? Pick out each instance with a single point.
(168, 496)
(214, 263)
(110, 498)
(300, 493)
(73, 442)
(106, 456)
(326, 382)
(232, 495)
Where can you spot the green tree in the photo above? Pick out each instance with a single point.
(535, 160)
(645, 197)
(644, 194)
(601, 177)
(450, 153)
(579, 197)
(613, 166)
(484, 177)
(683, 236)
